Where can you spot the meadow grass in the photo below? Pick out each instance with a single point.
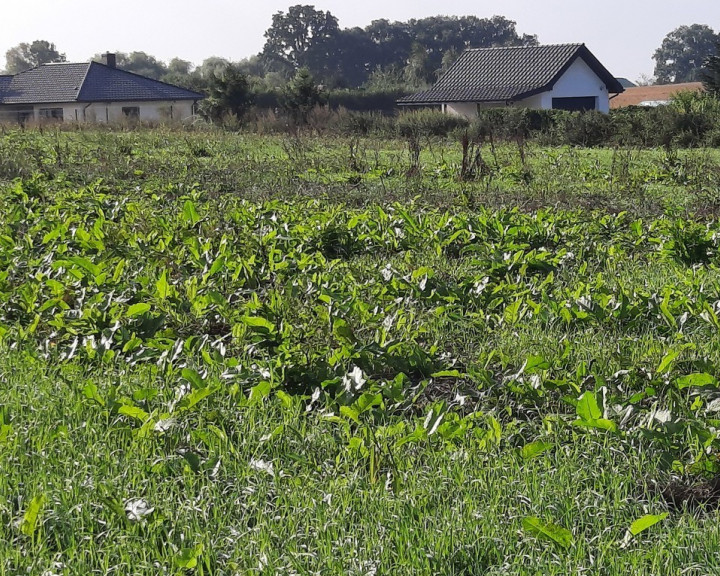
(234, 354)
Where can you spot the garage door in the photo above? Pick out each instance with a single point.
(580, 103)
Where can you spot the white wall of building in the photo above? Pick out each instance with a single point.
(102, 112)
(464, 109)
(580, 80)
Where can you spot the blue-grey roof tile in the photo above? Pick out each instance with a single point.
(105, 84)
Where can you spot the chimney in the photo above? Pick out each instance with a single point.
(109, 59)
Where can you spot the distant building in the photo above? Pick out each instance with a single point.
(92, 92)
(564, 77)
(658, 95)
(625, 83)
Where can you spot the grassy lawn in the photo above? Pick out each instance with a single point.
(231, 354)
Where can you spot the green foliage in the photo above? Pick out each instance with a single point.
(683, 52)
(229, 94)
(711, 75)
(301, 96)
(29, 55)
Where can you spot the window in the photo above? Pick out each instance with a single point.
(51, 113)
(131, 112)
(578, 104)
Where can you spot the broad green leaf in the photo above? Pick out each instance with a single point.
(367, 401)
(86, 264)
(599, 423)
(587, 407)
(138, 309)
(535, 364)
(196, 396)
(561, 536)
(668, 360)
(32, 513)
(190, 214)
(260, 324)
(218, 265)
(342, 331)
(194, 378)
(696, 381)
(285, 398)
(90, 391)
(642, 524)
(187, 558)
(262, 390)
(535, 449)
(350, 412)
(164, 290)
(133, 412)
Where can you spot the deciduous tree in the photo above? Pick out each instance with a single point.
(25, 56)
(302, 37)
(711, 75)
(683, 52)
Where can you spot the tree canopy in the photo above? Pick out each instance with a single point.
(308, 38)
(711, 73)
(683, 53)
(29, 55)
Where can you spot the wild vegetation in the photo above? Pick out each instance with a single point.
(230, 353)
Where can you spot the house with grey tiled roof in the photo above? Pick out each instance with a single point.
(563, 76)
(92, 92)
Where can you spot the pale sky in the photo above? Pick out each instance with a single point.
(623, 34)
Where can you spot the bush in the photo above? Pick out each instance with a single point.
(426, 122)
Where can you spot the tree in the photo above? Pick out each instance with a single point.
(302, 38)
(25, 56)
(418, 71)
(301, 95)
(681, 56)
(230, 92)
(711, 75)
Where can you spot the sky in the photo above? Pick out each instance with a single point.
(623, 34)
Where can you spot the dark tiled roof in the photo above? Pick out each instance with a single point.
(111, 84)
(86, 82)
(4, 83)
(512, 73)
(47, 83)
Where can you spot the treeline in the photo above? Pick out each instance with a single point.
(384, 55)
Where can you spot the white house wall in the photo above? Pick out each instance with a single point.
(463, 109)
(163, 111)
(157, 111)
(580, 80)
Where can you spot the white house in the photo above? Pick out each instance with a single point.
(562, 76)
(92, 92)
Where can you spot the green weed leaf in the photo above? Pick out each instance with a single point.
(642, 524)
(549, 531)
(534, 449)
(32, 514)
(587, 408)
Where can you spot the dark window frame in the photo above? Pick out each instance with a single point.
(51, 114)
(131, 112)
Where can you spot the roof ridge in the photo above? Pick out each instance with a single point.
(82, 82)
(565, 45)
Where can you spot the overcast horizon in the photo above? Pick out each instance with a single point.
(622, 35)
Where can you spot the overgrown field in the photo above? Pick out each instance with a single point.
(229, 354)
